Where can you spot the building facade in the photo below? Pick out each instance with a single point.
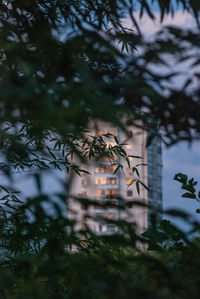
(105, 186)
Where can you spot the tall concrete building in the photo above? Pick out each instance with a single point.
(103, 185)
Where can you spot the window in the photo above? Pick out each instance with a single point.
(128, 146)
(129, 193)
(100, 192)
(130, 181)
(112, 132)
(83, 193)
(84, 182)
(160, 196)
(100, 169)
(111, 181)
(109, 169)
(129, 169)
(159, 148)
(112, 216)
(103, 192)
(107, 157)
(100, 133)
(100, 180)
(113, 157)
(100, 227)
(111, 192)
(100, 215)
(110, 144)
(114, 167)
(104, 157)
(85, 134)
(83, 207)
(150, 193)
(113, 202)
(105, 168)
(110, 228)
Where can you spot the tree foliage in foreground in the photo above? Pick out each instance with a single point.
(64, 64)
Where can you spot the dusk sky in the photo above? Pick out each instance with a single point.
(182, 157)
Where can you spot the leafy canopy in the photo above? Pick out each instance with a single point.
(64, 64)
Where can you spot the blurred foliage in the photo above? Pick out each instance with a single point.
(188, 185)
(63, 65)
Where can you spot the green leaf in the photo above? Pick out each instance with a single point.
(128, 162)
(37, 177)
(130, 181)
(142, 164)
(134, 169)
(4, 188)
(149, 139)
(188, 195)
(143, 185)
(138, 187)
(119, 166)
(189, 188)
(180, 177)
(116, 140)
(51, 153)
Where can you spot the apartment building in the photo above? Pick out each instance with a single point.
(105, 186)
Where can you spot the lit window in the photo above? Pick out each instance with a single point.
(129, 193)
(112, 132)
(114, 167)
(100, 133)
(110, 144)
(105, 169)
(85, 146)
(107, 157)
(100, 181)
(111, 192)
(128, 146)
(111, 181)
(113, 157)
(129, 169)
(100, 192)
(100, 169)
(112, 216)
(84, 182)
(109, 168)
(103, 158)
(85, 134)
(130, 181)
